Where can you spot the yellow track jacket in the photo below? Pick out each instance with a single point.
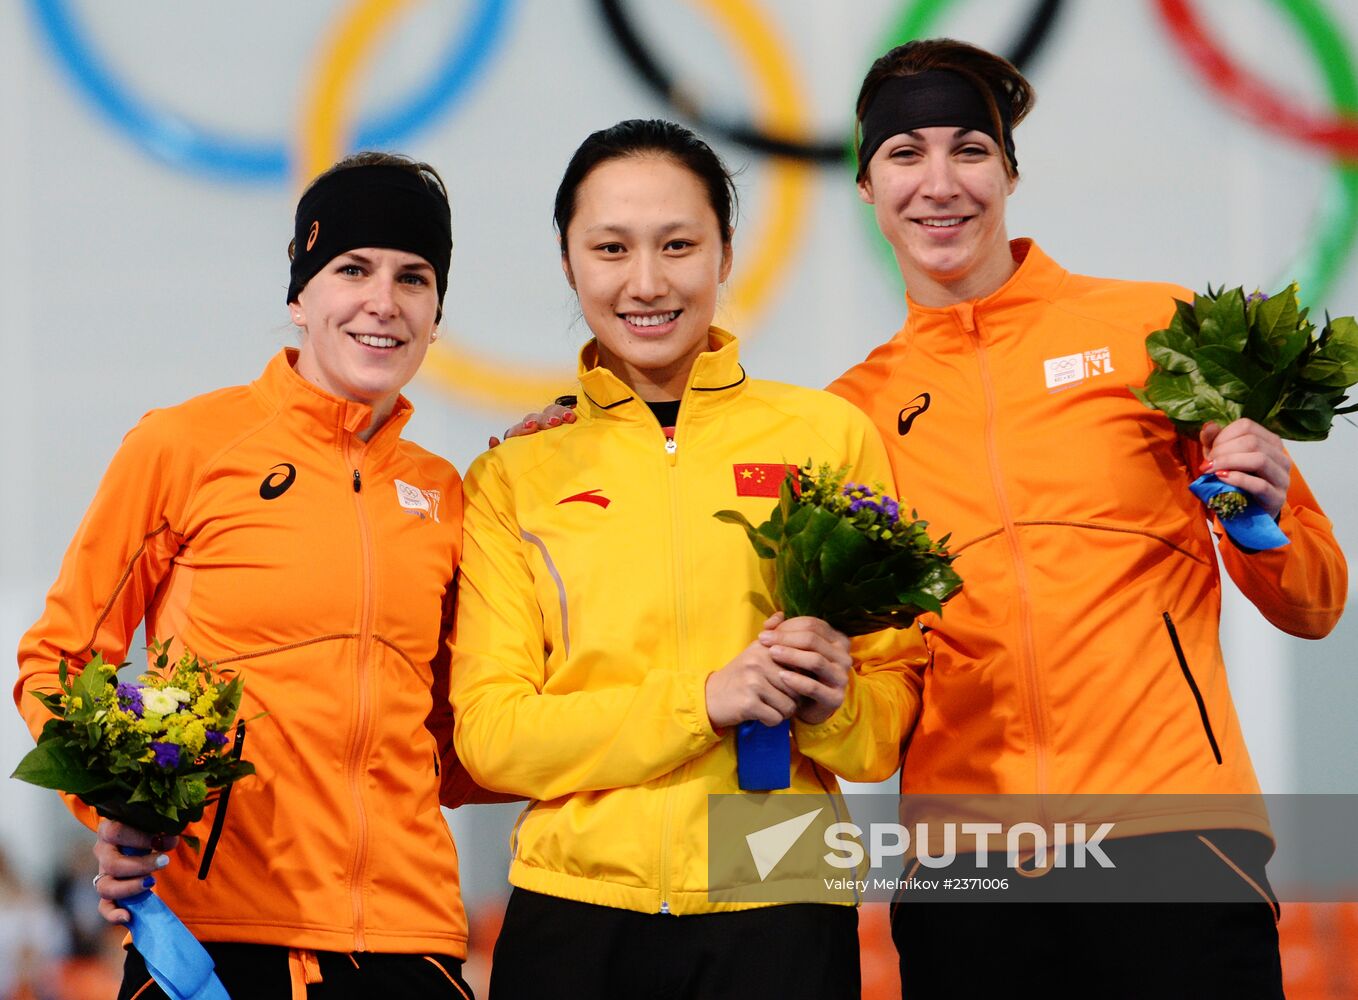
(598, 592)
(1082, 655)
(253, 526)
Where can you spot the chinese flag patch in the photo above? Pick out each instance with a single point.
(761, 479)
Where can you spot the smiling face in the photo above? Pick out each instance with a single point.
(645, 254)
(939, 195)
(367, 318)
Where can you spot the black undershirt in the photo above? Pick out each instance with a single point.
(666, 412)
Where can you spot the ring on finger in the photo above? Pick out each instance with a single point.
(95, 881)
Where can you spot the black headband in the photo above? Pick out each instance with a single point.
(923, 100)
(371, 206)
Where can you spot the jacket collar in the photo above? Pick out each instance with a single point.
(717, 375)
(333, 418)
(1036, 280)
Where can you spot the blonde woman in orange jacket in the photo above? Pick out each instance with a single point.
(286, 530)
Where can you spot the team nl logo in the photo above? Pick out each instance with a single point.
(1070, 369)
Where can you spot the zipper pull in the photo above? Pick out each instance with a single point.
(358, 482)
(670, 446)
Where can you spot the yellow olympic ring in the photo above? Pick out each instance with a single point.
(516, 387)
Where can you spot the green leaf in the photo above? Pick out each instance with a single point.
(1209, 403)
(1276, 318)
(1171, 351)
(1217, 365)
(1175, 397)
(759, 543)
(1227, 325)
(54, 765)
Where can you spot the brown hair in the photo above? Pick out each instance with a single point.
(991, 74)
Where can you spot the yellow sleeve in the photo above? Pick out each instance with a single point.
(863, 740)
(514, 732)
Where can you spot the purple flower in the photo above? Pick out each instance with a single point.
(215, 738)
(129, 699)
(167, 755)
(865, 504)
(851, 488)
(891, 509)
(1257, 297)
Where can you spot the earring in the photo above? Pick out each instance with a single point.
(433, 336)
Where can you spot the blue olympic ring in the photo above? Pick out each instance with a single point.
(180, 143)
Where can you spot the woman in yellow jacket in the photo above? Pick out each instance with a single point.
(607, 642)
(286, 530)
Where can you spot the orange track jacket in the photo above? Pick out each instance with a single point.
(256, 528)
(1009, 424)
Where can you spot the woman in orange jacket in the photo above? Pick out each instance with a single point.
(284, 529)
(1082, 657)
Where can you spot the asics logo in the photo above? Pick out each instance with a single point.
(910, 412)
(276, 483)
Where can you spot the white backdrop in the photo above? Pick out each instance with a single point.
(133, 276)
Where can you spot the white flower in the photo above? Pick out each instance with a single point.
(161, 702)
(178, 694)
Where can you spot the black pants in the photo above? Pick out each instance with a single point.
(1226, 947)
(558, 948)
(261, 972)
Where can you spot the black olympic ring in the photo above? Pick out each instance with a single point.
(661, 81)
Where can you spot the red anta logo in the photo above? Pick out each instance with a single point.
(589, 496)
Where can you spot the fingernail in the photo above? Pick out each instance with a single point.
(162, 861)
(1207, 466)
(149, 881)
(530, 424)
(569, 417)
(766, 637)
(553, 421)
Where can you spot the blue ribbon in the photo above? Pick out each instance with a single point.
(178, 963)
(1253, 527)
(764, 756)
(176, 959)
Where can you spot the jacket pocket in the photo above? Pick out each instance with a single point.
(1192, 686)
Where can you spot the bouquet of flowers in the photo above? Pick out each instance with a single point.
(843, 553)
(1229, 355)
(152, 755)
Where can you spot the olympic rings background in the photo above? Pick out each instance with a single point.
(142, 250)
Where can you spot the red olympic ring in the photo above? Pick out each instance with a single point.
(1253, 97)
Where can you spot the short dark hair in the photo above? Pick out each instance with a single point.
(648, 137)
(991, 75)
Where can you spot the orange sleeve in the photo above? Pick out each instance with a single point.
(1300, 588)
(121, 552)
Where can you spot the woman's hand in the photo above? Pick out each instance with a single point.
(121, 875)
(751, 688)
(817, 661)
(1249, 457)
(552, 415)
